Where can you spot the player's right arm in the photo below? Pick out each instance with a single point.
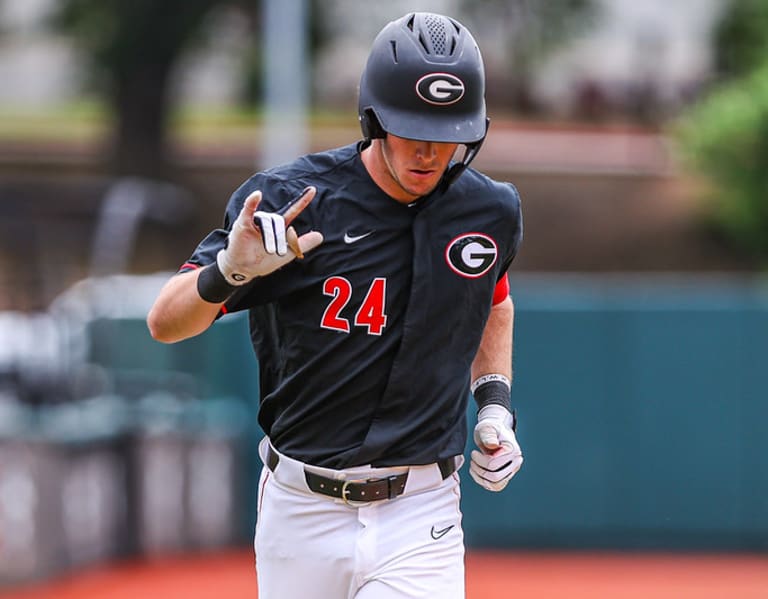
(258, 244)
(179, 312)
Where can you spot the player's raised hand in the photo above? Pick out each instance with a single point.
(261, 242)
(500, 456)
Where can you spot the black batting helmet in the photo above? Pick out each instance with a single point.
(425, 80)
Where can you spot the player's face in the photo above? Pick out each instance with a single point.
(408, 169)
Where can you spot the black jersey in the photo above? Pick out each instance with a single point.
(365, 345)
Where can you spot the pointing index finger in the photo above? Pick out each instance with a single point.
(293, 208)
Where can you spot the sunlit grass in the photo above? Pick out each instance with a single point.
(90, 121)
(83, 121)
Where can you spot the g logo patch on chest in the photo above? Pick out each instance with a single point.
(471, 255)
(440, 88)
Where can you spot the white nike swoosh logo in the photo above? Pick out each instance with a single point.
(353, 238)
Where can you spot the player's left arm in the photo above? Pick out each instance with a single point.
(498, 457)
(494, 356)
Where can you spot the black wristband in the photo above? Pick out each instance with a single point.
(493, 392)
(212, 286)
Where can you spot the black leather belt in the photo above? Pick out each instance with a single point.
(360, 490)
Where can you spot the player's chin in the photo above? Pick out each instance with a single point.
(422, 182)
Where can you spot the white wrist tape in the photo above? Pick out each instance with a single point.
(487, 378)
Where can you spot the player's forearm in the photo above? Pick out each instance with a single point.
(494, 356)
(179, 312)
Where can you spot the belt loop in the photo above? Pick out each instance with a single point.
(391, 490)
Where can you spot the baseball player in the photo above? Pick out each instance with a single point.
(375, 276)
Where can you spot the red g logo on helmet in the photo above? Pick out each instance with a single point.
(440, 89)
(471, 255)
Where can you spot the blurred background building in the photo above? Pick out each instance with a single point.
(636, 133)
(619, 48)
(92, 92)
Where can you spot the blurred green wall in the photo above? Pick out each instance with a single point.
(642, 406)
(643, 412)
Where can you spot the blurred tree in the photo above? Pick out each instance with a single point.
(741, 38)
(133, 46)
(532, 29)
(724, 138)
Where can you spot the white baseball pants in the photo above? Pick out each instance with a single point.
(310, 546)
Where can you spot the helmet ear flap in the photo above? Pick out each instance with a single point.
(370, 125)
(472, 149)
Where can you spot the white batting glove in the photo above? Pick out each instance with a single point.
(500, 456)
(259, 242)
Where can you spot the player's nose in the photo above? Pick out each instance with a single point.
(426, 150)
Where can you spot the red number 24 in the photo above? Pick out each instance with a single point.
(370, 314)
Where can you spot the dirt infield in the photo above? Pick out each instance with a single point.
(496, 575)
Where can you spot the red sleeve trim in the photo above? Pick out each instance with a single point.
(188, 266)
(502, 290)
